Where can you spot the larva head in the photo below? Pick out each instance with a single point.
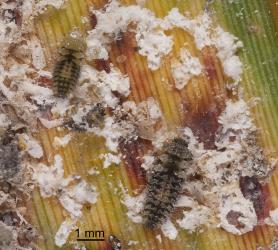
(178, 147)
(74, 44)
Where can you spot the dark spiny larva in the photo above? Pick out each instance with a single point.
(67, 69)
(115, 242)
(165, 182)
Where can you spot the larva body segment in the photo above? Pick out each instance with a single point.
(165, 182)
(163, 191)
(67, 69)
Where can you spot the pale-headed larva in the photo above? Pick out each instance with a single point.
(67, 69)
(165, 182)
(115, 242)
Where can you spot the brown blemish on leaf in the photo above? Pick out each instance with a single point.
(209, 63)
(124, 45)
(216, 77)
(100, 4)
(44, 81)
(101, 64)
(93, 20)
(132, 159)
(104, 245)
(252, 190)
(127, 39)
(263, 205)
(13, 15)
(232, 218)
(201, 112)
(204, 123)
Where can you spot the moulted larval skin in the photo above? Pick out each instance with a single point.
(211, 69)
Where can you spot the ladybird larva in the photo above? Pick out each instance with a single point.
(165, 182)
(67, 69)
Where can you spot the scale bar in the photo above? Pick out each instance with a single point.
(90, 239)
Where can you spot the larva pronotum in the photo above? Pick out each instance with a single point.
(165, 182)
(67, 69)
